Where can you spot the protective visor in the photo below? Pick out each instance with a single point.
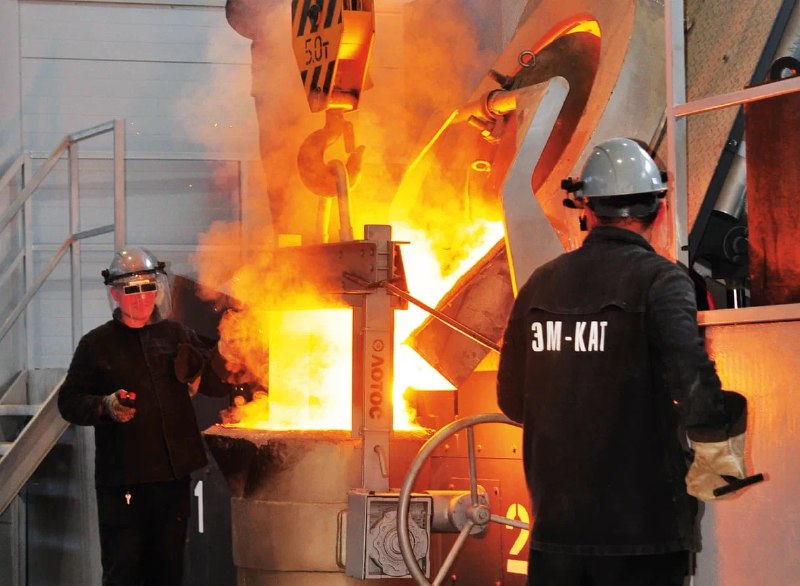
(139, 287)
(146, 282)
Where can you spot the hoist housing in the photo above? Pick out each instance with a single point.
(332, 43)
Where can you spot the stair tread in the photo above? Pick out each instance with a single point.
(23, 409)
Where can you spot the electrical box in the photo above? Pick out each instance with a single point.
(373, 547)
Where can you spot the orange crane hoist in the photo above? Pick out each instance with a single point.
(332, 43)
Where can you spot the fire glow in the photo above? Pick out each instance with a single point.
(304, 357)
(299, 363)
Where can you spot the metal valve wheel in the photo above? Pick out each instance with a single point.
(478, 514)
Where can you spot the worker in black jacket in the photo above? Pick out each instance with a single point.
(133, 378)
(602, 362)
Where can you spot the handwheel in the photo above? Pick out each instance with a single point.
(477, 513)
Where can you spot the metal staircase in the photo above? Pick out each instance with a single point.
(30, 426)
(21, 455)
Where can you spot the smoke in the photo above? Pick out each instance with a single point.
(414, 90)
(427, 58)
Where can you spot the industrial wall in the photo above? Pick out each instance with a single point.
(177, 75)
(746, 540)
(12, 347)
(10, 145)
(10, 136)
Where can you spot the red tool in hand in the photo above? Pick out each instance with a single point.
(127, 398)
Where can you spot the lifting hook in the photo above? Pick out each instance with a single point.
(318, 175)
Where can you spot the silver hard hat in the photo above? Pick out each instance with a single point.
(132, 262)
(618, 168)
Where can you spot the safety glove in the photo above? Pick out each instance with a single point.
(717, 463)
(119, 405)
(713, 462)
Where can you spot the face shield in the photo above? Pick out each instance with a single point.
(142, 297)
(138, 288)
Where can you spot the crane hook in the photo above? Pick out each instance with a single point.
(317, 175)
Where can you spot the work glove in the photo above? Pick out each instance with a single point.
(712, 462)
(119, 406)
(716, 460)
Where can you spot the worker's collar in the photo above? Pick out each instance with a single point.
(619, 234)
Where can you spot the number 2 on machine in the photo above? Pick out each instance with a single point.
(518, 511)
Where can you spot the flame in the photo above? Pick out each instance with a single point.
(299, 363)
(304, 357)
(308, 373)
(428, 282)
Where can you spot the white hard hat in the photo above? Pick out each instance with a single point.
(619, 166)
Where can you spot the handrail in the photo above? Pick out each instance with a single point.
(68, 143)
(34, 183)
(42, 277)
(46, 167)
(11, 171)
(11, 267)
(745, 96)
(41, 433)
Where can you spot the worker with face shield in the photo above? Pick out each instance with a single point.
(603, 363)
(132, 378)
(138, 288)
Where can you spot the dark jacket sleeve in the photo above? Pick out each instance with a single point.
(511, 371)
(214, 381)
(690, 374)
(195, 358)
(80, 399)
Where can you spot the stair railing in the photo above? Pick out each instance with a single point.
(21, 459)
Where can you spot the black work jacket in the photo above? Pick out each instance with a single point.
(162, 441)
(601, 362)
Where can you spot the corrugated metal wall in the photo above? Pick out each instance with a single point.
(179, 76)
